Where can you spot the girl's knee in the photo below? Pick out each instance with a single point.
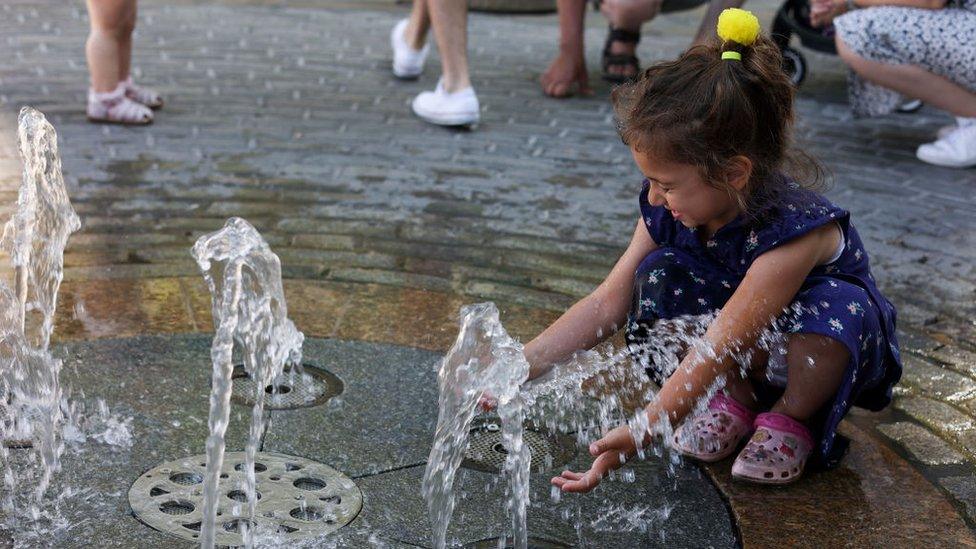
(810, 349)
(113, 18)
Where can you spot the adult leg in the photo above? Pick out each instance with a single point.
(627, 15)
(105, 42)
(568, 69)
(450, 21)
(418, 25)
(912, 81)
(453, 102)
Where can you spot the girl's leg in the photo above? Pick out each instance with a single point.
(912, 81)
(419, 25)
(450, 21)
(569, 66)
(106, 40)
(816, 369)
(778, 451)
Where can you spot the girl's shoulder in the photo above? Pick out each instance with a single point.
(792, 214)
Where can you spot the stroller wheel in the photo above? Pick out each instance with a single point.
(910, 106)
(794, 65)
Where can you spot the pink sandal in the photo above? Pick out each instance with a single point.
(115, 108)
(777, 452)
(716, 433)
(146, 96)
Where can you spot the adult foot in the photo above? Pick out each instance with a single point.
(408, 62)
(458, 108)
(565, 76)
(956, 150)
(115, 108)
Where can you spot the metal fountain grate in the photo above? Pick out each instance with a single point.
(297, 498)
(487, 453)
(298, 388)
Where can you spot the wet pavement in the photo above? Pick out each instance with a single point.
(285, 113)
(376, 432)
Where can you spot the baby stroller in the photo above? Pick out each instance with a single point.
(793, 17)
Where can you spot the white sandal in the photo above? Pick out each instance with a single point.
(146, 96)
(115, 108)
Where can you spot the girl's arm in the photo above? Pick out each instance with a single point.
(595, 317)
(769, 286)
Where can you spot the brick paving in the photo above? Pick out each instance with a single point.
(285, 113)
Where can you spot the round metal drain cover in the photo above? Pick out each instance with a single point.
(509, 542)
(294, 388)
(487, 453)
(298, 498)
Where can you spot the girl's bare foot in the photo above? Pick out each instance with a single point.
(565, 76)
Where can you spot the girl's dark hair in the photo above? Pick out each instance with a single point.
(701, 109)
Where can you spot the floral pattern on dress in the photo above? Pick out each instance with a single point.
(840, 300)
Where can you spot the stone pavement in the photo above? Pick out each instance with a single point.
(377, 433)
(284, 112)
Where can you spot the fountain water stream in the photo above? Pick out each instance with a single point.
(249, 310)
(35, 238)
(483, 358)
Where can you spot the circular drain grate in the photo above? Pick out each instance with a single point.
(297, 498)
(487, 453)
(292, 389)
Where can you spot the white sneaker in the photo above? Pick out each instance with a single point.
(955, 150)
(460, 108)
(944, 131)
(408, 63)
(960, 121)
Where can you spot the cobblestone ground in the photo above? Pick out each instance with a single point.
(285, 113)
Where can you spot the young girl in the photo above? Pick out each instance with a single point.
(722, 227)
(113, 97)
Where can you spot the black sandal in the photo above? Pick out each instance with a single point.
(620, 59)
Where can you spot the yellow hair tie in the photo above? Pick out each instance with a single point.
(732, 55)
(739, 26)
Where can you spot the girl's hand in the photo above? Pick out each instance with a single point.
(607, 451)
(487, 402)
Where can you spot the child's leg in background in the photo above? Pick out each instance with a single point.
(125, 41)
(106, 40)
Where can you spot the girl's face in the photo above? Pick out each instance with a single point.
(680, 188)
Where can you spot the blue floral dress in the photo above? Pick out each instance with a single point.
(840, 300)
